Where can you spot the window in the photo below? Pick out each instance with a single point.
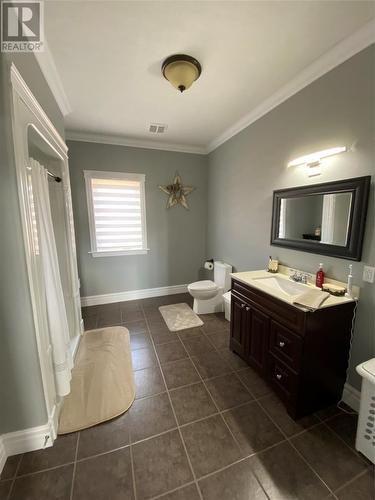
(117, 213)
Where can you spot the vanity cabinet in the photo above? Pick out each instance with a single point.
(303, 355)
(249, 332)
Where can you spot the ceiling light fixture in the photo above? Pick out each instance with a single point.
(181, 71)
(313, 160)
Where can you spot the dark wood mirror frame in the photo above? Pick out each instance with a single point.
(359, 187)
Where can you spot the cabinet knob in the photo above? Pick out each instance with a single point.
(247, 308)
(242, 305)
(278, 376)
(281, 343)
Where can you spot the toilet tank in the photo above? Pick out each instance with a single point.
(222, 274)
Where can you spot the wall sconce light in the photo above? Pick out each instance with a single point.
(313, 160)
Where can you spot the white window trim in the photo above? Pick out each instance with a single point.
(98, 174)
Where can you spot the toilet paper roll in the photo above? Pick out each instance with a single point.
(208, 265)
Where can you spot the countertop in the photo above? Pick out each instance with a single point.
(250, 278)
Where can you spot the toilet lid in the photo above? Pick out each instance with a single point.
(203, 285)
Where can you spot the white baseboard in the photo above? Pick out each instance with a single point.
(351, 397)
(146, 293)
(3, 455)
(34, 438)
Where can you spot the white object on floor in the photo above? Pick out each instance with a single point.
(179, 317)
(365, 441)
(227, 299)
(208, 295)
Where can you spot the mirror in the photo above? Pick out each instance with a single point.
(321, 217)
(324, 218)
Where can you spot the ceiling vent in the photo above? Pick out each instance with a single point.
(157, 128)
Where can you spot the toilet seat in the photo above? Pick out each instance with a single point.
(204, 290)
(204, 285)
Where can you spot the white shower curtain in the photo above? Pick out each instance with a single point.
(57, 319)
(328, 218)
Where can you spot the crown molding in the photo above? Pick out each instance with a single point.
(114, 140)
(341, 52)
(50, 73)
(344, 50)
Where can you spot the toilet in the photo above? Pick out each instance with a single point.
(208, 295)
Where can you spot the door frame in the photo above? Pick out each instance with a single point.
(27, 113)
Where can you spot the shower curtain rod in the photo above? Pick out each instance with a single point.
(57, 179)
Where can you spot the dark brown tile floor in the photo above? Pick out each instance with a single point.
(203, 426)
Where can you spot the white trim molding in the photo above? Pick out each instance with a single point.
(341, 52)
(108, 298)
(27, 115)
(351, 396)
(19, 85)
(3, 454)
(116, 177)
(25, 440)
(50, 73)
(114, 140)
(344, 50)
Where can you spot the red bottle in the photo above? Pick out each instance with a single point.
(319, 277)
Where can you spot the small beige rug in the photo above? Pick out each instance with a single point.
(179, 317)
(102, 385)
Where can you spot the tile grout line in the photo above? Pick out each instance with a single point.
(84, 459)
(174, 413)
(221, 415)
(346, 444)
(132, 467)
(163, 495)
(74, 467)
(347, 483)
(48, 469)
(221, 469)
(213, 400)
(14, 478)
(207, 389)
(289, 440)
(220, 411)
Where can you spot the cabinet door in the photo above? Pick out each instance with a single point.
(239, 326)
(258, 339)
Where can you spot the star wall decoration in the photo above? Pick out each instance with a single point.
(177, 193)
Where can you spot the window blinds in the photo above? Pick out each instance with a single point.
(118, 214)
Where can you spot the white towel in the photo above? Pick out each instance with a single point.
(311, 299)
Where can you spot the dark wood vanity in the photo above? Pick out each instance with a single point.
(302, 355)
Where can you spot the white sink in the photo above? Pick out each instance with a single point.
(282, 285)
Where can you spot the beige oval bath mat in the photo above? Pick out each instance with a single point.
(102, 385)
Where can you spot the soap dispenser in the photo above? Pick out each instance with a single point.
(319, 276)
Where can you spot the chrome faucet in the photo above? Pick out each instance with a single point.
(300, 277)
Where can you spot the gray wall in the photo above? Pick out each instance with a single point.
(176, 237)
(21, 394)
(337, 109)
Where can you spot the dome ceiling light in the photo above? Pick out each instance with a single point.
(181, 71)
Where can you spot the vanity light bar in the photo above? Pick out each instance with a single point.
(314, 158)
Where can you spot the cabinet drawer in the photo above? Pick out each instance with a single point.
(284, 313)
(286, 345)
(283, 379)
